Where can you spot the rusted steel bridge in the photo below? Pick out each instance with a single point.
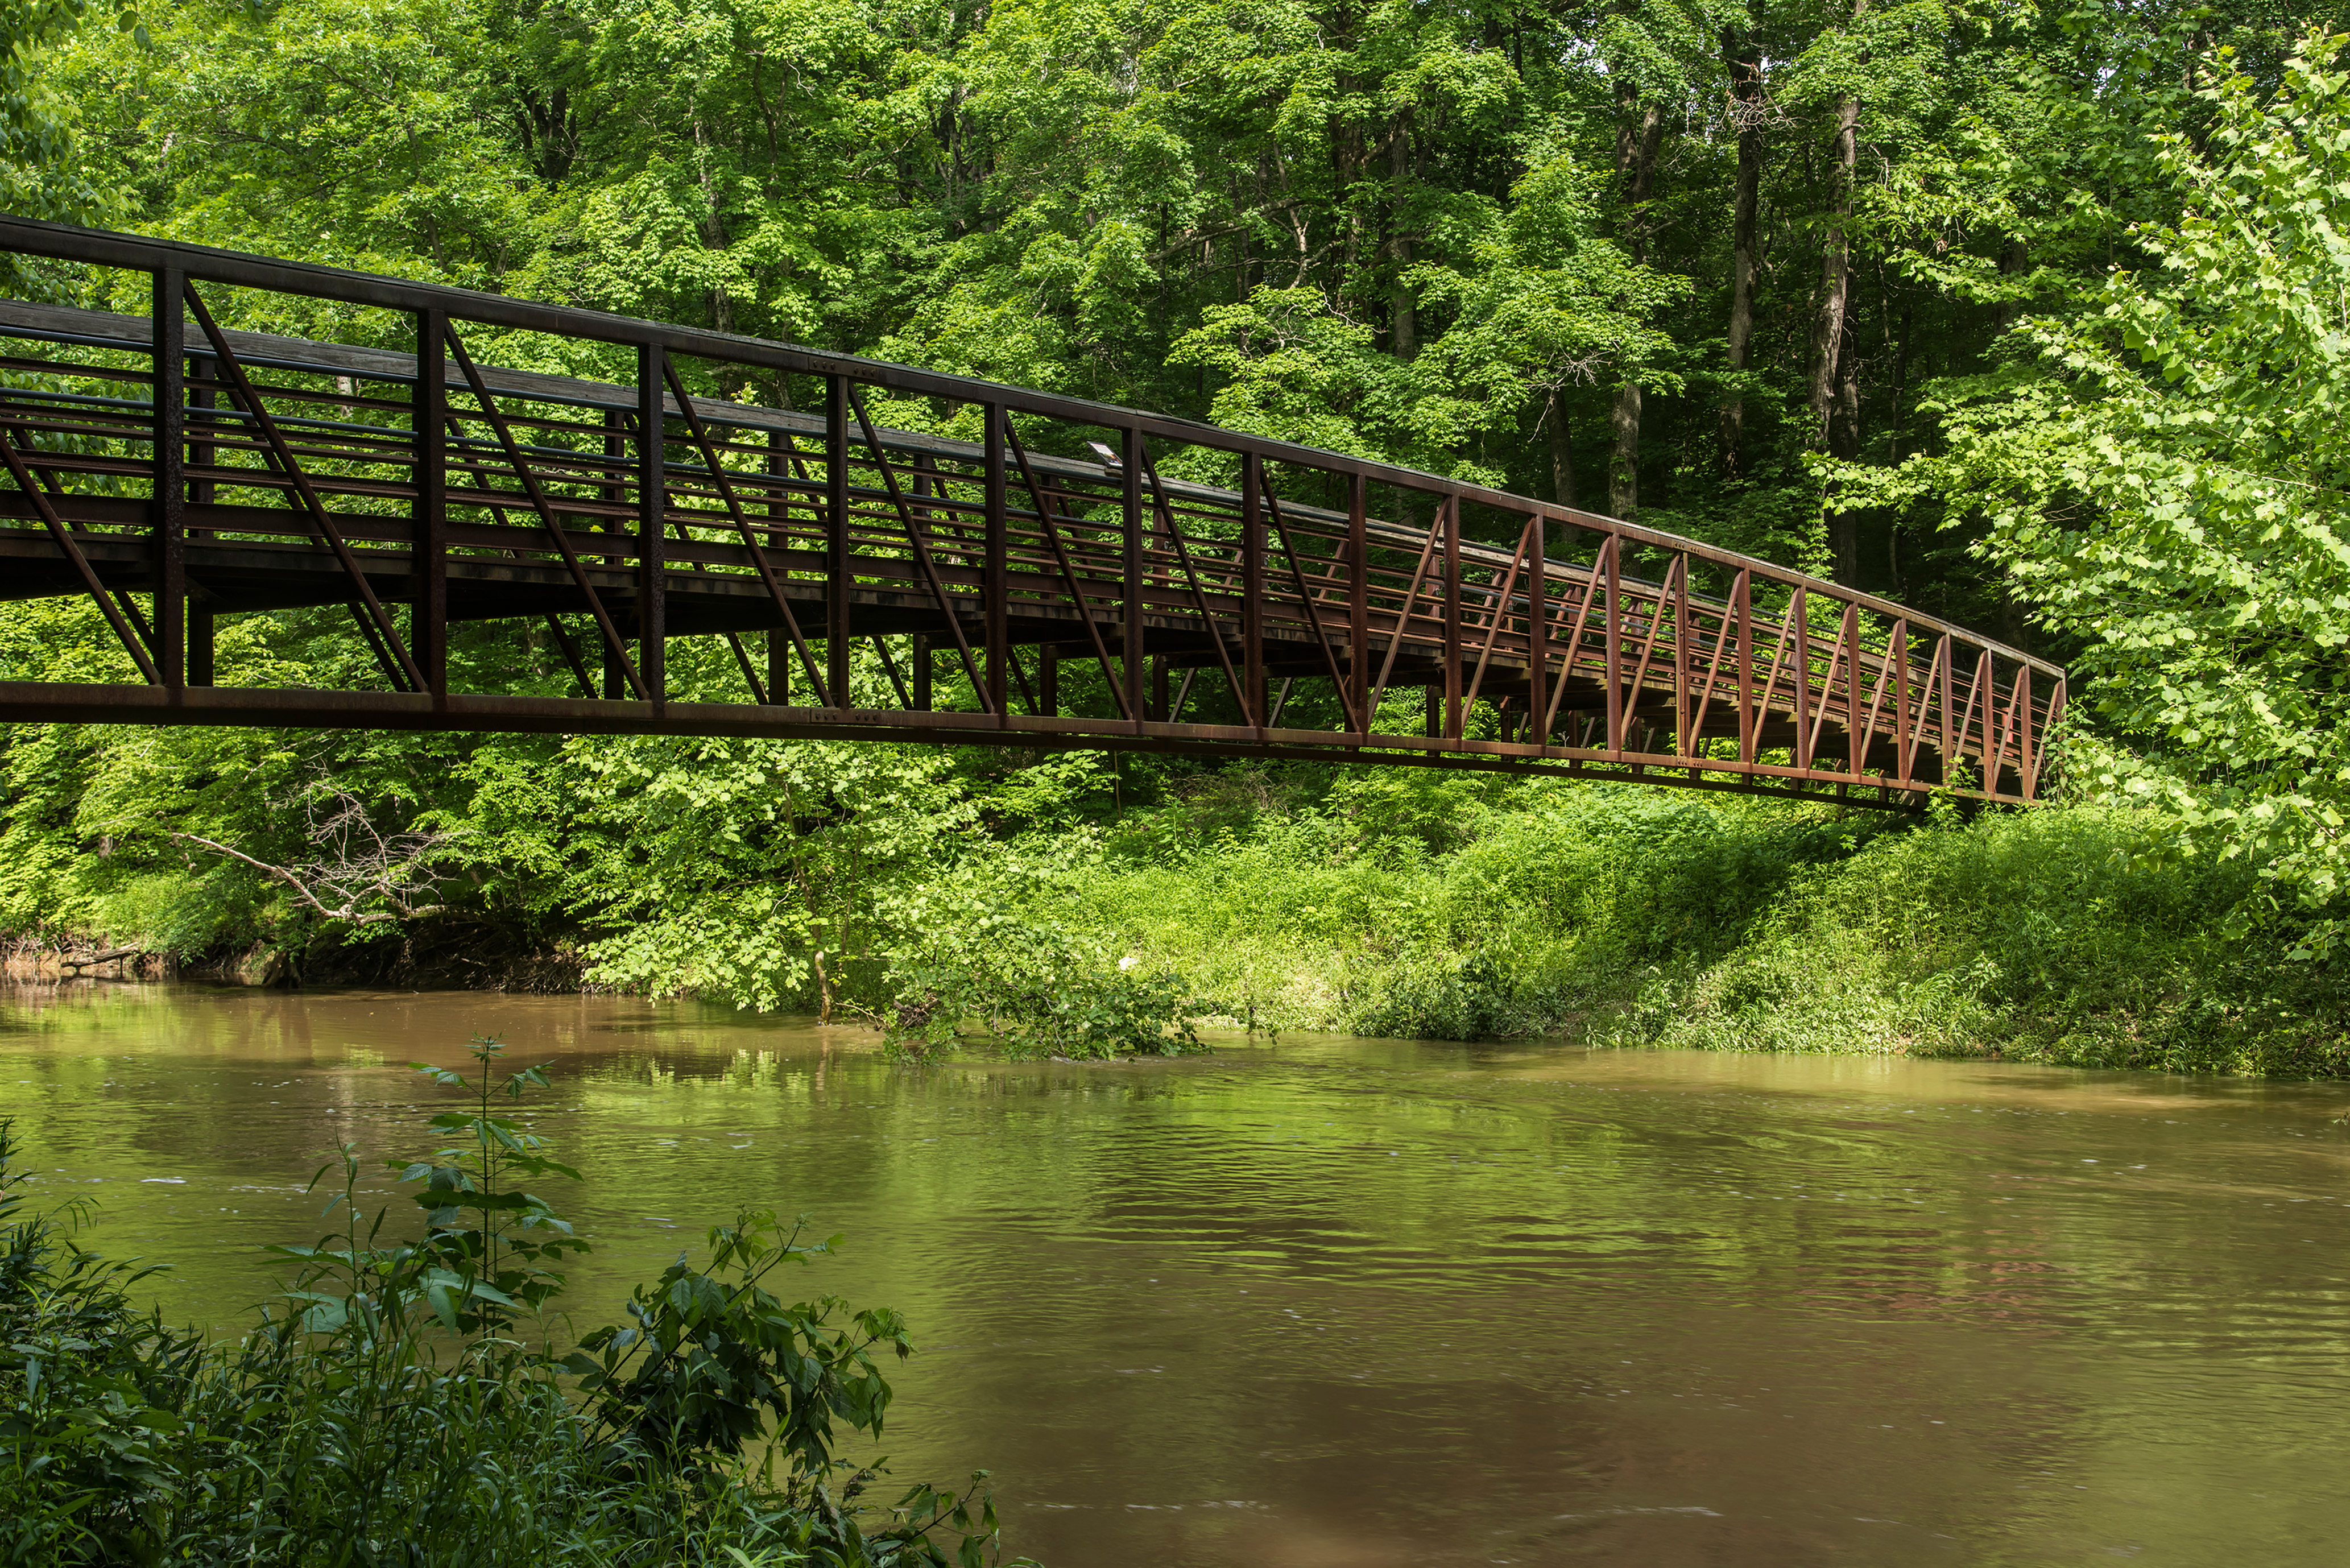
(1192, 588)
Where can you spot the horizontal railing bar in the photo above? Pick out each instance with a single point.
(205, 262)
(33, 701)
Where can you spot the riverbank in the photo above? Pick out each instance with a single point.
(2070, 935)
(1078, 908)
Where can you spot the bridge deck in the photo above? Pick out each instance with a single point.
(178, 472)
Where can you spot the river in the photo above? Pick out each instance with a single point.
(1328, 1303)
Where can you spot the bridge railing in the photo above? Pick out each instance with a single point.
(1213, 590)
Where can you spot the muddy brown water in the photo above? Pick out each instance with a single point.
(1356, 1303)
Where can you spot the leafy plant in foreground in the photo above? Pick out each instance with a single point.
(389, 1410)
(474, 1212)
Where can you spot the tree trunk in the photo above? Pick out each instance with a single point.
(1639, 132)
(1404, 337)
(713, 233)
(2012, 261)
(1844, 423)
(1745, 60)
(1900, 398)
(1835, 271)
(1347, 156)
(1562, 451)
(1624, 469)
(1844, 445)
(1835, 374)
(1899, 402)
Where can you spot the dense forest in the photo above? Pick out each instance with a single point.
(2030, 316)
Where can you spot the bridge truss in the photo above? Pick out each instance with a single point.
(175, 471)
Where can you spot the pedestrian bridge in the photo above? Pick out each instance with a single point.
(523, 508)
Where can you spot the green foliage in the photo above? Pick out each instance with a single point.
(490, 1251)
(705, 1364)
(87, 1386)
(386, 1408)
(2073, 933)
(1455, 907)
(2161, 474)
(1408, 231)
(999, 965)
(733, 866)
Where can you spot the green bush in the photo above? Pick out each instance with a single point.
(1031, 987)
(2078, 934)
(390, 1409)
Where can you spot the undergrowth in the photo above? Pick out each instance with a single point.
(2071, 933)
(402, 1402)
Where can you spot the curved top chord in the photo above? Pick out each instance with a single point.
(175, 469)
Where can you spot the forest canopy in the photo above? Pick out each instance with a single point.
(1649, 257)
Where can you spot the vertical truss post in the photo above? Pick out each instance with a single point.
(1359, 605)
(1945, 653)
(1131, 567)
(614, 491)
(428, 612)
(1684, 743)
(1982, 697)
(2026, 754)
(1252, 708)
(1159, 708)
(836, 542)
(1450, 523)
(652, 520)
(171, 489)
(779, 667)
(1750, 701)
(996, 574)
(779, 639)
(199, 646)
(1614, 633)
(1048, 679)
(2055, 717)
(200, 494)
(1538, 633)
(1802, 619)
(1846, 653)
(922, 665)
(1898, 651)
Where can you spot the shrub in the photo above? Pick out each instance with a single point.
(386, 1408)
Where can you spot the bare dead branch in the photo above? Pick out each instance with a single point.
(360, 876)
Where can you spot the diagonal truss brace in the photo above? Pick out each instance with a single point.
(282, 458)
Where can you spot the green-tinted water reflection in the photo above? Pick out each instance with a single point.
(1370, 1303)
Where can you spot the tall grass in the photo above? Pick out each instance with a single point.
(2075, 934)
